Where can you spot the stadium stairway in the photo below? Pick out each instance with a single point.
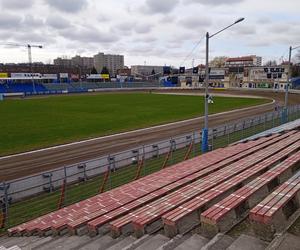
(245, 196)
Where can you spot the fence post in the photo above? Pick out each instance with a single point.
(4, 206)
(228, 137)
(243, 128)
(194, 139)
(144, 156)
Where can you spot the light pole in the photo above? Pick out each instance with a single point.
(205, 130)
(289, 78)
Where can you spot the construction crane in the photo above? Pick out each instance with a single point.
(28, 46)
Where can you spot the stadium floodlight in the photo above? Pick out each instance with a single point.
(205, 130)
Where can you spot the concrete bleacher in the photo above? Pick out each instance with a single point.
(273, 213)
(190, 204)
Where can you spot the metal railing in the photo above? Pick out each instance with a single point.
(30, 197)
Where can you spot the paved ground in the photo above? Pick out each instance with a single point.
(30, 163)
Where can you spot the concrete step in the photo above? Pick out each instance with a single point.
(3, 248)
(14, 248)
(17, 241)
(52, 243)
(99, 242)
(138, 242)
(174, 242)
(287, 241)
(72, 242)
(195, 242)
(219, 242)
(38, 243)
(247, 242)
(153, 243)
(3, 239)
(123, 243)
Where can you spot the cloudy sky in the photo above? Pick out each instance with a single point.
(148, 31)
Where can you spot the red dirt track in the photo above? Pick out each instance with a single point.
(23, 165)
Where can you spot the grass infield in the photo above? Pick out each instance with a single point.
(28, 124)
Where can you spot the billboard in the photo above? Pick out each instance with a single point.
(105, 76)
(217, 74)
(3, 75)
(25, 75)
(63, 75)
(49, 76)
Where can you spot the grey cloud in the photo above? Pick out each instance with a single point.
(127, 27)
(33, 37)
(244, 30)
(9, 21)
(89, 35)
(17, 4)
(58, 22)
(70, 6)
(32, 21)
(145, 39)
(143, 28)
(194, 22)
(159, 6)
(216, 2)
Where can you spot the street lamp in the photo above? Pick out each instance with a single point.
(288, 78)
(205, 130)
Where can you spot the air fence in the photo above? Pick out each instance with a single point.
(30, 197)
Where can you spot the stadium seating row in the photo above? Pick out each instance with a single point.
(272, 214)
(148, 218)
(120, 196)
(214, 191)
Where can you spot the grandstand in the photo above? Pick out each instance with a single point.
(46, 88)
(196, 203)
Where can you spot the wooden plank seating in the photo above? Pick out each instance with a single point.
(187, 215)
(129, 192)
(148, 218)
(274, 213)
(203, 169)
(100, 223)
(223, 215)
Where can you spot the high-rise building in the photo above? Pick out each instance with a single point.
(63, 62)
(87, 62)
(111, 62)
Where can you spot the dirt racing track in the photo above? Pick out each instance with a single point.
(25, 164)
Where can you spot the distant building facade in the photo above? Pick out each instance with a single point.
(112, 62)
(244, 61)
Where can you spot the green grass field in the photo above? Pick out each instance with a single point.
(35, 123)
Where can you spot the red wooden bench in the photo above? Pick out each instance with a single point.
(148, 218)
(122, 194)
(187, 216)
(100, 223)
(273, 214)
(229, 211)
